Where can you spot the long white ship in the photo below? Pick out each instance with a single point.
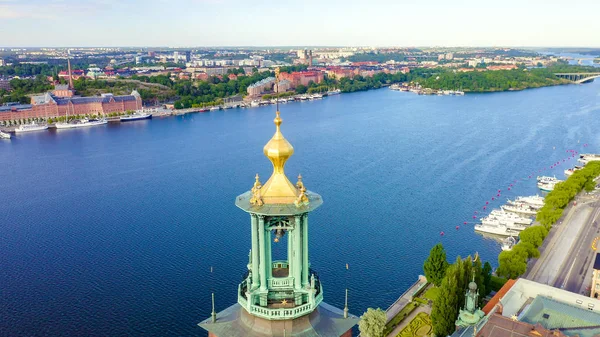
(503, 216)
(534, 201)
(82, 123)
(31, 127)
(4, 135)
(497, 229)
(136, 116)
(520, 209)
(334, 92)
(547, 187)
(546, 179)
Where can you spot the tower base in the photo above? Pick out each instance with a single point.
(325, 321)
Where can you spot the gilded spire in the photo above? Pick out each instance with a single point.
(278, 189)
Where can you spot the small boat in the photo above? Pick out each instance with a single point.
(4, 135)
(81, 123)
(31, 127)
(588, 157)
(136, 116)
(508, 243)
(570, 171)
(546, 179)
(547, 187)
(534, 201)
(334, 92)
(203, 110)
(215, 108)
(254, 103)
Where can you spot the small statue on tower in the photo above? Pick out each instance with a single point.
(256, 199)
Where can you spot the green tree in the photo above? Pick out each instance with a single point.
(512, 264)
(435, 265)
(301, 89)
(445, 308)
(372, 323)
(534, 235)
(487, 278)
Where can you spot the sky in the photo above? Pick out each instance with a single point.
(377, 23)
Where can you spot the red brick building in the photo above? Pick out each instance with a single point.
(303, 77)
(49, 106)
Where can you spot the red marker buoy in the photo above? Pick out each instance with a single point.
(465, 222)
(493, 198)
(474, 217)
(457, 227)
(509, 188)
(487, 202)
(498, 194)
(441, 233)
(484, 207)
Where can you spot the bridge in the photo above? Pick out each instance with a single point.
(578, 77)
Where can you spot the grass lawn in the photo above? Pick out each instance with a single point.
(399, 317)
(432, 293)
(420, 326)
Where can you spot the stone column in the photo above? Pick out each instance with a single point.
(290, 254)
(261, 239)
(305, 250)
(255, 256)
(297, 253)
(269, 253)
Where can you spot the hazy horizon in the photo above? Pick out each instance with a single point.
(235, 23)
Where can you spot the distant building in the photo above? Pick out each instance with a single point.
(502, 67)
(62, 90)
(303, 77)
(139, 59)
(2, 62)
(5, 84)
(49, 106)
(261, 86)
(449, 56)
(176, 57)
(441, 57)
(283, 86)
(595, 291)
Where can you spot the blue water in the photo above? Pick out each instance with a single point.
(112, 231)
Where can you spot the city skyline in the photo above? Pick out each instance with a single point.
(214, 23)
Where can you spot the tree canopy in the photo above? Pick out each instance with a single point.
(372, 323)
(435, 265)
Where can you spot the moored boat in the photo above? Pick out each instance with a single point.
(334, 92)
(520, 209)
(136, 116)
(508, 243)
(4, 135)
(497, 229)
(31, 127)
(570, 171)
(81, 123)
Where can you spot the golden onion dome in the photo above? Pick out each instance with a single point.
(278, 189)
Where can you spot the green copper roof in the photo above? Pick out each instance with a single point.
(571, 320)
(243, 202)
(325, 321)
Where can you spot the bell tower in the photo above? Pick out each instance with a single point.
(279, 289)
(279, 297)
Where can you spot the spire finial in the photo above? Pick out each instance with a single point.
(214, 314)
(346, 305)
(277, 89)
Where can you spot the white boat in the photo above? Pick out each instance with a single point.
(549, 186)
(316, 96)
(31, 127)
(459, 93)
(546, 179)
(497, 229)
(334, 92)
(4, 135)
(570, 171)
(534, 201)
(510, 217)
(521, 209)
(215, 108)
(509, 243)
(136, 116)
(585, 158)
(254, 103)
(82, 123)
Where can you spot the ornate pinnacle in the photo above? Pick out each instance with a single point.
(256, 199)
